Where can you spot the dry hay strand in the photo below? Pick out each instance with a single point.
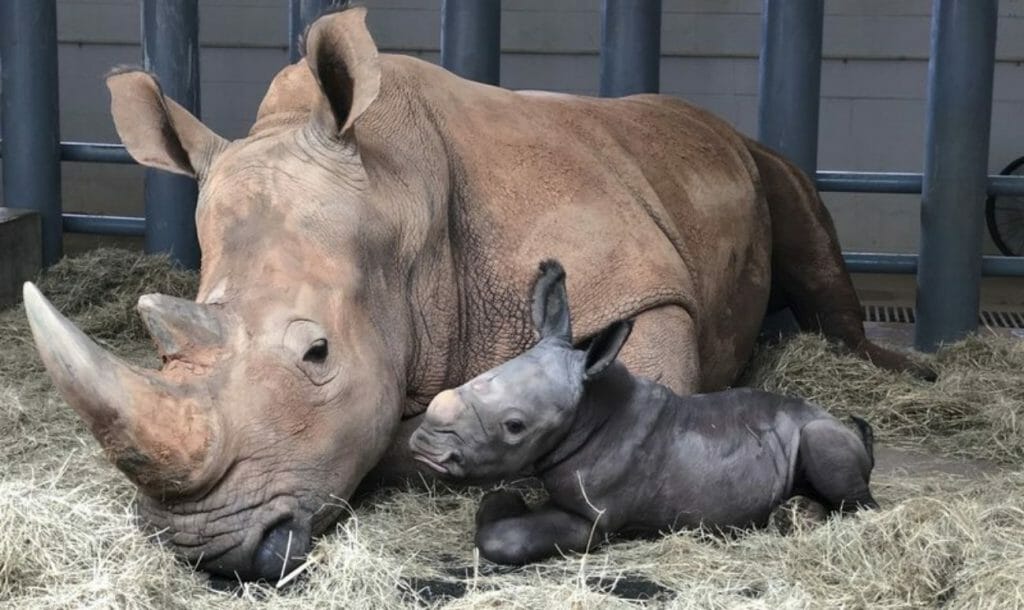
(68, 538)
(975, 409)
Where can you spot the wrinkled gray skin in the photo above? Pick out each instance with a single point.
(618, 453)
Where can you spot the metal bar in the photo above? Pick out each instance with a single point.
(1006, 186)
(170, 49)
(959, 115)
(301, 13)
(790, 79)
(874, 262)
(630, 47)
(868, 182)
(905, 183)
(471, 39)
(91, 152)
(31, 144)
(94, 152)
(826, 181)
(105, 225)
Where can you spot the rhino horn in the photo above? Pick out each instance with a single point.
(158, 434)
(178, 325)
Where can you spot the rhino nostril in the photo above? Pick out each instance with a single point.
(454, 457)
(282, 549)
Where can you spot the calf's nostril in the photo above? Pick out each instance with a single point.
(454, 457)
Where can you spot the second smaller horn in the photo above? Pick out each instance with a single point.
(177, 325)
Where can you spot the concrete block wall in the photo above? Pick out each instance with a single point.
(873, 80)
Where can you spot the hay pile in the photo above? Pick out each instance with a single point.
(67, 540)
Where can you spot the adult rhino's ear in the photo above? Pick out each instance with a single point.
(343, 57)
(156, 131)
(550, 303)
(604, 348)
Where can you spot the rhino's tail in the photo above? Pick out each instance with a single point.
(867, 436)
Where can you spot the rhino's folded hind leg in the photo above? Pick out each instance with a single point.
(808, 271)
(834, 467)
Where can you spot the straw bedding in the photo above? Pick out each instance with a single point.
(67, 537)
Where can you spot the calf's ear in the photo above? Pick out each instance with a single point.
(550, 303)
(604, 348)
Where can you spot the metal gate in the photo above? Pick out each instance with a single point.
(953, 185)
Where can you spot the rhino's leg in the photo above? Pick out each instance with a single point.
(536, 535)
(663, 347)
(833, 466)
(807, 265)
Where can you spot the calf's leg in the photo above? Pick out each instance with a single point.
(498, 505)
(834, 464)
(534, 536)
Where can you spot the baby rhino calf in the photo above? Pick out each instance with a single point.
(620, 454)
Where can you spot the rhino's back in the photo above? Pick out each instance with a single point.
(646, 200)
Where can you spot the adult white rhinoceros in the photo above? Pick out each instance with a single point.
(374, 239)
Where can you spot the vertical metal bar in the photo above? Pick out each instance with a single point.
(300, 14)
(630, 47)
(31, 142)
(959, 116)
(790, 87)
(170, 49)
(471, 39)
(295, 29)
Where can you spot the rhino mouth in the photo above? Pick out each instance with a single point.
(431, 462)
(446, 461)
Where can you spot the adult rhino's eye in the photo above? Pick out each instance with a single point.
(514, 426)
(317, 353)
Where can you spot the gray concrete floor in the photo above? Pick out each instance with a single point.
(907, 462)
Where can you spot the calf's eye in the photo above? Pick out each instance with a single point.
(317, 353)
(514, 426)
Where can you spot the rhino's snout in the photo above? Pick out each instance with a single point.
(283, 548)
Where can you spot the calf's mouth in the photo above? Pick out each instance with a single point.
(445, 460)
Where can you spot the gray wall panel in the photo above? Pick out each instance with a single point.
(873, 80)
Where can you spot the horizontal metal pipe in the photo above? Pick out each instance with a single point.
(856, 262)
(94, 152)
(104, 225)
(874, 262)
(906, 183)
(868, 182)
(1006, 186)
(827, 181)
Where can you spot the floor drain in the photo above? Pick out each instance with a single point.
(904, 314)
